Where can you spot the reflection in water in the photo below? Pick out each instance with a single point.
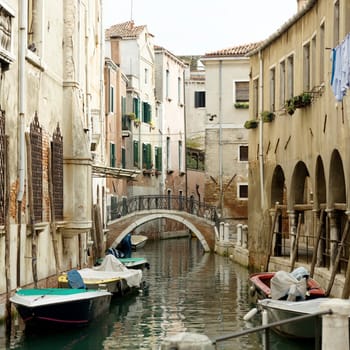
(189, 291)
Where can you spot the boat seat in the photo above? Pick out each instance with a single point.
(75, 280)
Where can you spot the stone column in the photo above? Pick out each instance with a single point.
(239, 234)
(221, 233)
(226, 233)
(245, 236)
(335, 327)
(333, 234)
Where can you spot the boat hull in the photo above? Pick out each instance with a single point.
(260, 287)
(280, 310)
(62, 312)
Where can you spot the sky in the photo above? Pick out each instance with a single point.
(196, 27)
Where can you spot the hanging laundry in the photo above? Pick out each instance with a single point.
(340, 79)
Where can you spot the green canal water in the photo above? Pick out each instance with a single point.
(189, 291)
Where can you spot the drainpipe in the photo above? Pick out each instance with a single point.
(21, 138)
(261, 140)
(101, 81)
(220, 138)
(21, 93)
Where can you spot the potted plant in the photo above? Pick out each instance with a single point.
(290, 106)
(242, 105)
(267, 116)
(251, 124)
(137, 122)
(132, 116)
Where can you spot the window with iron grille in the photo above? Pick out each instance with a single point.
(37, 167)
(3, 150)
(57, 169)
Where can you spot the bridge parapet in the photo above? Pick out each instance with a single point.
(164, 202)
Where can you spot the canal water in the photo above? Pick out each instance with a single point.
(188, 291)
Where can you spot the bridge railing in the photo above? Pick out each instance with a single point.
(165, 202)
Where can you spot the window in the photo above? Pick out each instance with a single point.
(136, 107)
(306, 67)
(34, 35)
(146, 76)
(111, 99)
(243, 153)
(37, 167)
(179, 90)
(313, 62)
(123, 105)
(57, 169)
(282, 83)
(123, 158)
(199, 99)
(146, 112)
(112, 156)
(168, 162)
(290, 79)
(180, 156)
(272, 89)
(136, 153)
(322, 52)
(255, 97)
(158, 158)
(242, 191)
(167, 77)
(242, 91)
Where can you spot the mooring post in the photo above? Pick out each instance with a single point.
(335, 326)
(187, 341)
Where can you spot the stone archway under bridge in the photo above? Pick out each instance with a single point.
(205, 230)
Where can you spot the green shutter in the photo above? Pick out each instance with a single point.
(136, 107)
(146, 156)
(136, 153)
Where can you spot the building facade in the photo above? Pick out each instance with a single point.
(50, 98)
(299, 160)
(226, 139)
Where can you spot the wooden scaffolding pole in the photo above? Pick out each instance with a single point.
(270, 238)
(318, 237)
(295, 244)
(337, 259)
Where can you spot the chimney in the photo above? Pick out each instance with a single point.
(301, 4)
(115, 51)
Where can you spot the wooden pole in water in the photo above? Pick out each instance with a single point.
(295, 244)
(318, 236)
(337, 259)
(269, 248)
(31, 210)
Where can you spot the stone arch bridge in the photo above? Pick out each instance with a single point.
(200, 218)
